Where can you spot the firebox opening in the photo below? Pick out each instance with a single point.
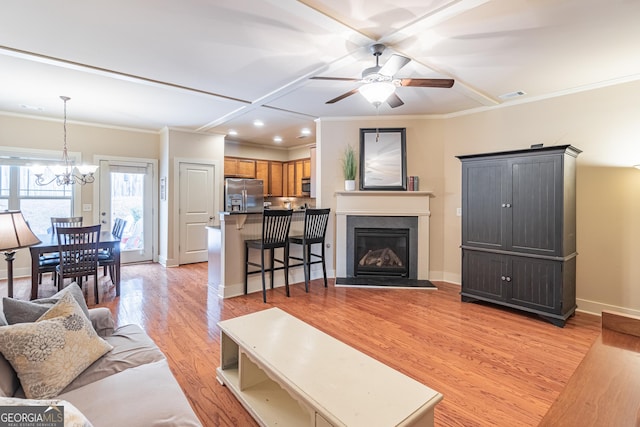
(381, 252)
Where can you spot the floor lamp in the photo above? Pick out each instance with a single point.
(14, 234)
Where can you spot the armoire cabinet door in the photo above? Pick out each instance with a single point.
(484, 275)
(483, 211)
(536, 205)
(535, 283)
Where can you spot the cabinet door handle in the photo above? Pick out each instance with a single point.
(508, 205)
(504, 205)
(508, 279)
(503, 278)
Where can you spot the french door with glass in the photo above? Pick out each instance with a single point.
(126, 192)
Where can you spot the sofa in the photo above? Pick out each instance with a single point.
(111, 376)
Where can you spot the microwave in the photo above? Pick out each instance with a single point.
(306, 186)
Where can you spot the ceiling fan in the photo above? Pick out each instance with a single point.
(379, 82)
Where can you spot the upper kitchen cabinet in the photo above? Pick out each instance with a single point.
(270, 172)
(294, 171)
(238, 167)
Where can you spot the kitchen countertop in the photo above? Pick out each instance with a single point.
(260, 212)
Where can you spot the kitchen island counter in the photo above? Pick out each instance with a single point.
(235, 228)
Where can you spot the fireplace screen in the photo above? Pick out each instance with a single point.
(381, 252)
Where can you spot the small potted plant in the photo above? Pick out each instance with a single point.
(349, 168)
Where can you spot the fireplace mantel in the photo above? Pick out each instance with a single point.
(383, 203)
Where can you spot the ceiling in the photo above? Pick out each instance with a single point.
(218, 65)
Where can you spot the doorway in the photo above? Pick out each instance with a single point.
(126, 192)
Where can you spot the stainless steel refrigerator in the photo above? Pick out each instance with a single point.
(243, 195)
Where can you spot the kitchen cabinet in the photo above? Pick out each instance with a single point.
(306, 168)
(299, 175)
(312, 167)
(294, 171)
(270, 172)
(291, 179)
(239, 167)
(519, 230)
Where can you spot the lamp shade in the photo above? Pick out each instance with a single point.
(87, 169)
(377, 92)
(15, 232)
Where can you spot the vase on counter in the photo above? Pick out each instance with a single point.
(349, 184)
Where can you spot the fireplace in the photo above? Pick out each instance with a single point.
(382, 246)
(392, 211)
(381, 252)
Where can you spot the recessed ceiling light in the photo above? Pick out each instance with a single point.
(510, 95)
(277, 139)
(258, 123)
(305, 131)
(233, 132)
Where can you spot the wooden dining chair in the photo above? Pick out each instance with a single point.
(106, 257)
(78, 251)
(71, 221)
(48, 262)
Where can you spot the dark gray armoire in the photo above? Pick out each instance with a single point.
(519, 230)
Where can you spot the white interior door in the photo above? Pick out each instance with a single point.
(197, 194)
(126, 192)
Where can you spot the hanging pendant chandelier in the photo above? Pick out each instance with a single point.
(66, 172)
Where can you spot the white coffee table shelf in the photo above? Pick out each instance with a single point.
(288, 373)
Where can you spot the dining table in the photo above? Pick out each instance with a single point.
(49, 243)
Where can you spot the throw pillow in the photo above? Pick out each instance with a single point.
(53, 351)
(72, 415)
(18, 311)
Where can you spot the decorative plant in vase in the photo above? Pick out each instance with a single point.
(349, 168)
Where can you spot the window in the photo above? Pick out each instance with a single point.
(18, 191)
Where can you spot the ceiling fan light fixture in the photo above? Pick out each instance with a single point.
(377, 92)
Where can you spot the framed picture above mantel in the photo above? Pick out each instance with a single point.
(383, 159)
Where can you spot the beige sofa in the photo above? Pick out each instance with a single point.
(130, 385)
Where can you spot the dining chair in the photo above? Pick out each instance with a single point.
(106, 257)
(48, 262)
(71, 221)
(315, 229)
(275, 234)
(78, 251)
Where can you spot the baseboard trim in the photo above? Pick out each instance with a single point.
(594, 307)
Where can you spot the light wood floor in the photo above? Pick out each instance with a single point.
(495, 367)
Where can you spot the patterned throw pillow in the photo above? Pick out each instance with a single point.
(72, 415)
(53, 351)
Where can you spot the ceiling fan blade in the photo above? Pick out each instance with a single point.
(341, 97)
(393, 65)
(445, 83)
(344, 79)
(394, 101)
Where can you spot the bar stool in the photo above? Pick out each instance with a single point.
(315, 229)
(275, 234)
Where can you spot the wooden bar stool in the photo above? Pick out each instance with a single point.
(315, 229)
(275, 234)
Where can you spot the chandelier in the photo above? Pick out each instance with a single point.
(65, 173)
